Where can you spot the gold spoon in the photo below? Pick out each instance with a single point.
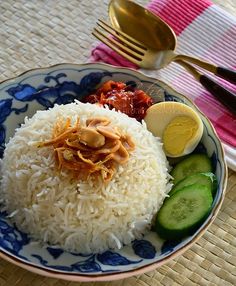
(157, 36)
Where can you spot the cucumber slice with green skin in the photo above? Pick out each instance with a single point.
(207, 179)
(195, 163)
(182, 213)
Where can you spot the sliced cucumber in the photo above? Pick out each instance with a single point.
(207, 179)
(183, 212)
(196, 163)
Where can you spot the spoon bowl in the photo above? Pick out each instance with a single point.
(152, 31)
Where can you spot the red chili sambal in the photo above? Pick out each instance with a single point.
(122, 97)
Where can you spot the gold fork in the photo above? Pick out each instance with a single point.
(137, 53)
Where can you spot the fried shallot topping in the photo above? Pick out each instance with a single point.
(95, 149)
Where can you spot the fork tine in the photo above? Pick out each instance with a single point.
(117, 46)
(107, 42)
(122, 46)
(122, 33)
(138, 47)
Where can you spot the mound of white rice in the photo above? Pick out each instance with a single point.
(82, 216)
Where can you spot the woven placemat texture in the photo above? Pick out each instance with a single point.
(40, 33)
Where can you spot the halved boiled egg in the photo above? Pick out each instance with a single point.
(178, 125)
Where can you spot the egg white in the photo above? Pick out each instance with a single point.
(161, 114)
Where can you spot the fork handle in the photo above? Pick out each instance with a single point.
(225, 73)
(226, 97)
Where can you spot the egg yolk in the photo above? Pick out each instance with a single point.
(178, 133)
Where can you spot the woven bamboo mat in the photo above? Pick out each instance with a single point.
(40, 33)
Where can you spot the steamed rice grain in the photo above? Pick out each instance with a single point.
(82, 216)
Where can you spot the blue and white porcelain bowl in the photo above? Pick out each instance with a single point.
(61, 84)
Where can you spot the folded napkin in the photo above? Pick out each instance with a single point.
(203, 30)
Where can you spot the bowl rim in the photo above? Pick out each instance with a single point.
(79, 277)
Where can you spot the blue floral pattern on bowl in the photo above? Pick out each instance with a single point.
(61, 84)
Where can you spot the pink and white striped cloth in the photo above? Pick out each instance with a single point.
(206, 31)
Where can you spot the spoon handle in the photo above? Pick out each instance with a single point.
(226, 97)
(225, 73)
